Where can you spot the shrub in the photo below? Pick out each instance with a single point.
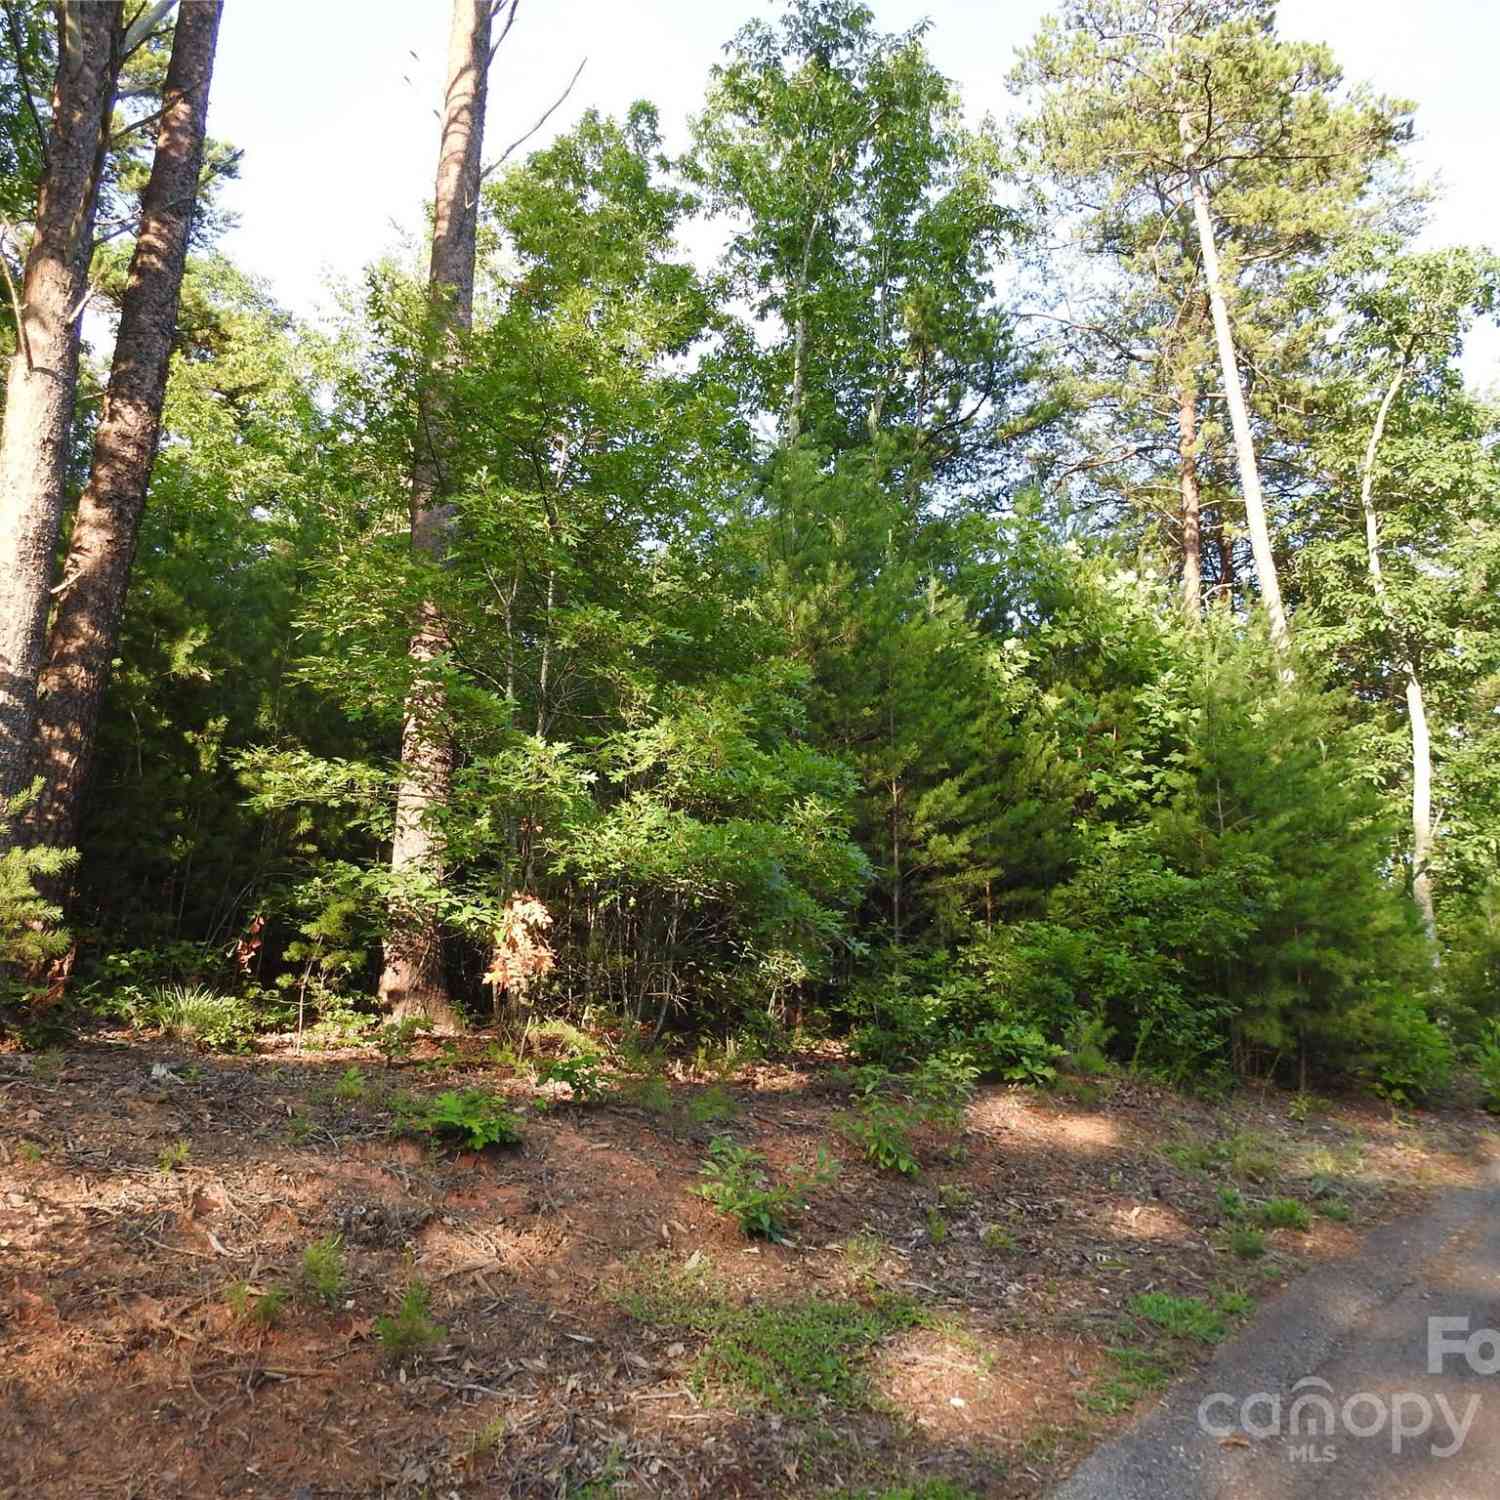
(583, 1073)
(410, 1329)
(1397, 1049)
(323, 1269)
(1015, 1052)
(1285, 1213)
(1248, 1244)
(881, 1128)
(195, 1013)
(475, 1118)
(736, 1183)
(262, 1309)
(396, 1040)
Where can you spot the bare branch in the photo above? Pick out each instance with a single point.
(510, 21)
(516, 145)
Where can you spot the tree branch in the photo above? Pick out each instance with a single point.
(516, 144)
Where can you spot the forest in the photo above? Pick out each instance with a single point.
(1022, 614)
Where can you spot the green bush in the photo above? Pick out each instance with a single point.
(410, 1329)
(1397, 1049)
(736, 1183)
(476, 1119)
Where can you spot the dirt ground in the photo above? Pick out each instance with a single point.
(149, 1195)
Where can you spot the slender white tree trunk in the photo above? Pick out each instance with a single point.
(1416, 707)
(1239, 420)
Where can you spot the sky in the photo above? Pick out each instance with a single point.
(334, 104)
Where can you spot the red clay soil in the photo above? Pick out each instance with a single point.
(140, 1183)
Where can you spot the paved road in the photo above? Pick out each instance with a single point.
(1398, 1430)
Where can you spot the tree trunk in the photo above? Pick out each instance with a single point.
(1239, 419)
(86, 627)
(413, 983)
(43, 376)
(1416, 707)
(1187, 473)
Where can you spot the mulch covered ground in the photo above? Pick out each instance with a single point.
(140, 1184)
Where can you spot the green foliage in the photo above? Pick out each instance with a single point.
(1285, 1213)
(260, 1308)
(323, 1273)
(1248, 1244)
(1181, 1317)
(31, 930)
(881, 1128)
(209, 1018)
(397, 1040)
(174, 1157)
(736, 1183)
(1397, 1048)
(998, 1240)
(793, 1357)
(351, 1087)
(583, 1073)
(472, 1117)
(410, 1329)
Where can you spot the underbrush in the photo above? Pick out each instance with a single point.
(794, 1357)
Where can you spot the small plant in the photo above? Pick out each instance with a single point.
(1016, 1052)
(174, 1156)
(1335, 1209)
(410, 1329)
(1182, 1317)
(649, 1093)
(249, 1306)
(351, 1087)
(298, 1128)
(396, 1040)
(937, 1226)
(30, 1152)
(1234, 1304)
(881, 1128)
(1248, 1244)
(323, 1269)
(476, 1118)
(1138, 1372)
(954, 1197)
(1231, 1204)
(997, 1239)
(736, 1183)
(712, 1106)
(582, 1073)
(195, 1013)
(1304, 1106)
(1285, 1213)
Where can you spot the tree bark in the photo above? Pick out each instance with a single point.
(413, 983)
(1187, 474)
(1416, 707)
(43, 377)
(101, 552)
(1239, 419)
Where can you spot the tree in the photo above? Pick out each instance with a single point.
(412, 982)
(43, 375)
(101, 549)
(1405, 317)
(1173, 117)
